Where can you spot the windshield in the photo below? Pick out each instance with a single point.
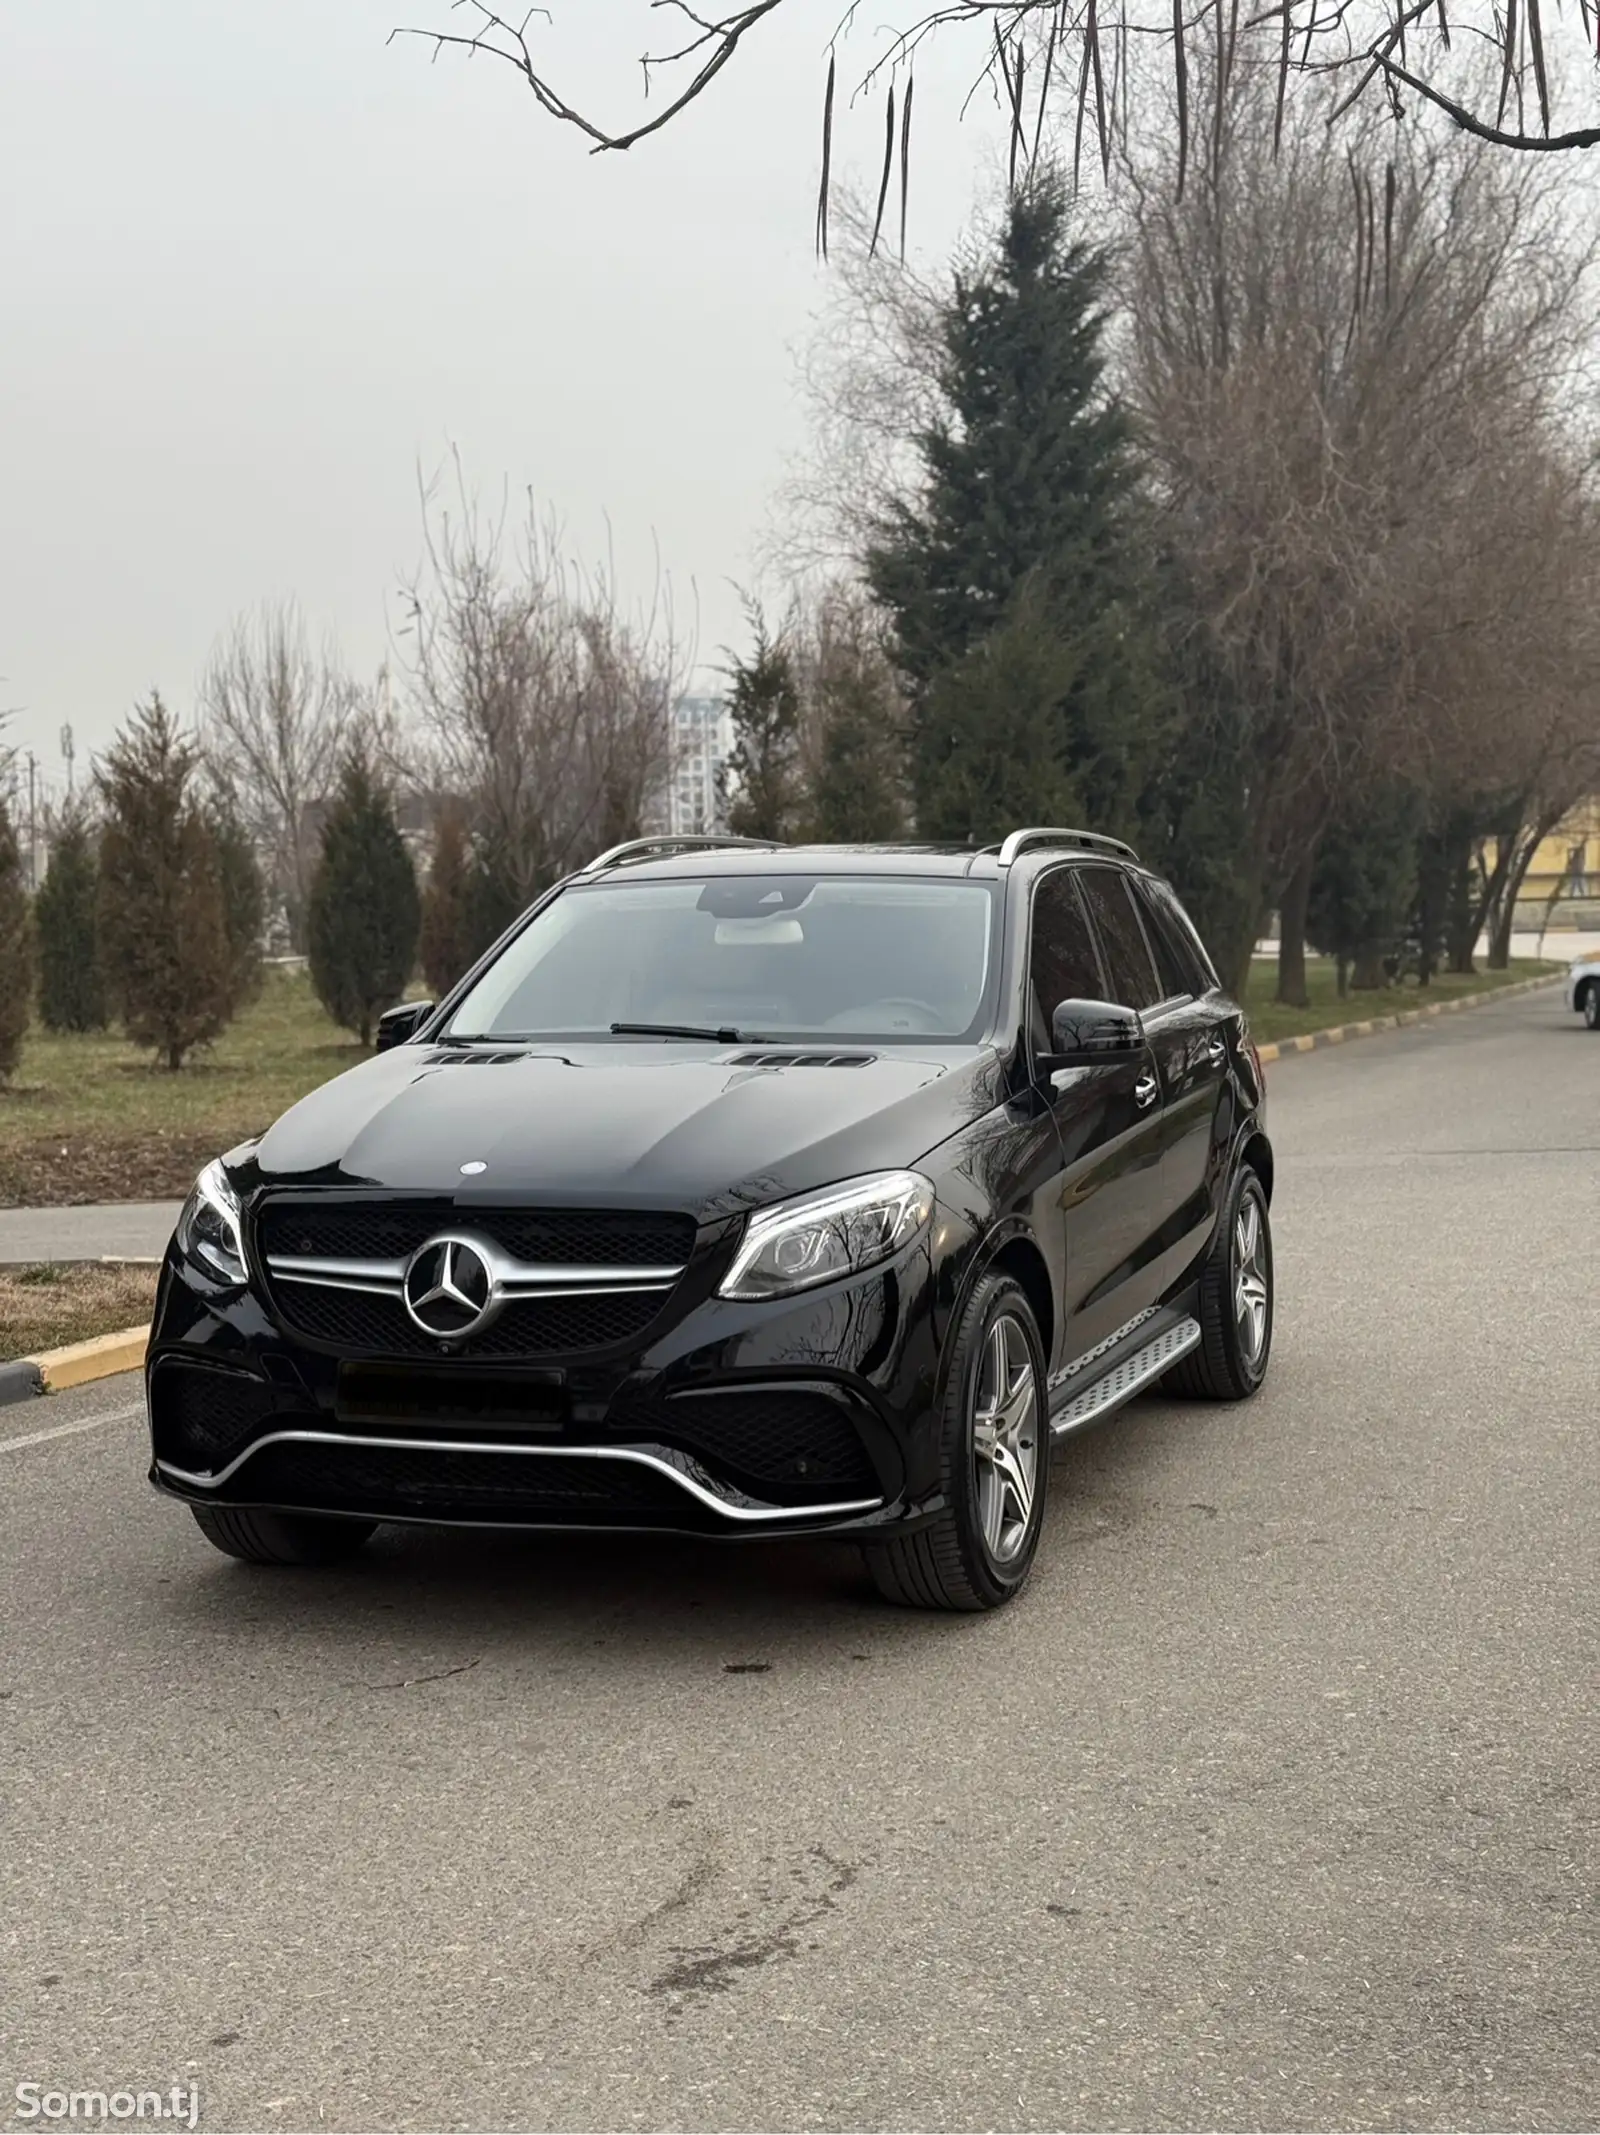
(763, 956)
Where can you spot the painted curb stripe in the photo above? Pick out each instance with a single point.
(1312, 1041)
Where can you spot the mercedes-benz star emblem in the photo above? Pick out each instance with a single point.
(449, 1291)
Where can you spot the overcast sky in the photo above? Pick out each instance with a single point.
(259, 266)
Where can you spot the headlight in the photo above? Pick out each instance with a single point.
(210, 1230)
(823, 1235)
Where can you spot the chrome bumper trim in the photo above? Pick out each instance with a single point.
(731, 1510)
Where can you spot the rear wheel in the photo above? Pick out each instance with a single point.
(995, 1465)
(280, 1537)
(1235, 1310)
(1591, 1005)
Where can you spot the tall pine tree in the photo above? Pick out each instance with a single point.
(72, 994)
(1013, 576)
(762, 778)
(163, 935)
(364, 911)
(16, 950)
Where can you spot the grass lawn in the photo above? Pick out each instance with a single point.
(47, 1307)
(90, 1119)
(1269, 1021)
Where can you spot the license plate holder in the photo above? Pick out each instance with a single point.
(452, 1400)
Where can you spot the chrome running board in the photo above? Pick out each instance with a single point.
(685, 1472)
(1124, 1380)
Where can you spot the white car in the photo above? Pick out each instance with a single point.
(1583, 987)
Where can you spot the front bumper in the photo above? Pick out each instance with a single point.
(811, 1415)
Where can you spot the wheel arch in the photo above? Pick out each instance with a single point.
(1256, 1151)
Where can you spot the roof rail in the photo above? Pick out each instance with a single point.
(1020, 841)
(637, 848)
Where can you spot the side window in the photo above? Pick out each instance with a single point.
(1175, 963)
(1062, 964)
(1180, 931)
(1130, 975)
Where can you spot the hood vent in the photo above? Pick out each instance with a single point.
(777, 1060)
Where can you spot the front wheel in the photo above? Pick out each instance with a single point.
(1591, 1006)
(280, 1537)
(1236, 1297)
(994, 1463)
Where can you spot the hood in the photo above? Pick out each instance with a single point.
(634, 1126)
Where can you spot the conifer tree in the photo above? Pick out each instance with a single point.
(16, 950)
(1024, 521)
(364, 912)
(163, 936)
(72, 994)
(762, 775)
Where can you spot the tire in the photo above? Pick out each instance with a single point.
(1236, 1299)
(1591, 1005)
(979, 1550)
(281, 1537)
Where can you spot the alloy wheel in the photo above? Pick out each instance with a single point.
(1251, 1296)
(1005, 1439)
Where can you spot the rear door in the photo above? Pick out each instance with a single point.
(1108, 1119)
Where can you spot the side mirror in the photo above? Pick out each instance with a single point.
(396, 1025)
(1092, 1034)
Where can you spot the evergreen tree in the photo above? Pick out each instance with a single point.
(762, 775)
(364, 913)
(244, 901)
(72, 994)
(163, 937)
(1025, 519)
(453, 904)
(1363, 884)
(16, 950)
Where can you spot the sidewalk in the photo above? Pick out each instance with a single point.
(124, 1230)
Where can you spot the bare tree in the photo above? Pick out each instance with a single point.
(1341, 435)
(275, 718)
(546, 706)
(1518, 76)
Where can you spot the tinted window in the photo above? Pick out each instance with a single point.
(1063, 964)
(881, 957)
(1130, 975)
(1179, 931)
(1175, 967)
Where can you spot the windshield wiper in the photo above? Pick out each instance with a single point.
(727, 1035)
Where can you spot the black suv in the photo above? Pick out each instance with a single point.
(741, 1189)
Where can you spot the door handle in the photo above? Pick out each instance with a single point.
(1145, 1091)
(1216, 1052)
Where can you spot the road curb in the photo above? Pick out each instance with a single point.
(1313, 1041)
(52, 1371)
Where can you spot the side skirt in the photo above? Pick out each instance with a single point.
(1134, 1365)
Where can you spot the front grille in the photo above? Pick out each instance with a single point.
(199, 1418)
(360, 1324)
(784, 1444)
(457, 1485)
(549, 1237)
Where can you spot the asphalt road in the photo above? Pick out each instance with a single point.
(1271, 1804)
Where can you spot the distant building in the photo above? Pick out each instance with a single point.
(699, 743)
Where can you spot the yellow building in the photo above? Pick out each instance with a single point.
(1568, 862)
